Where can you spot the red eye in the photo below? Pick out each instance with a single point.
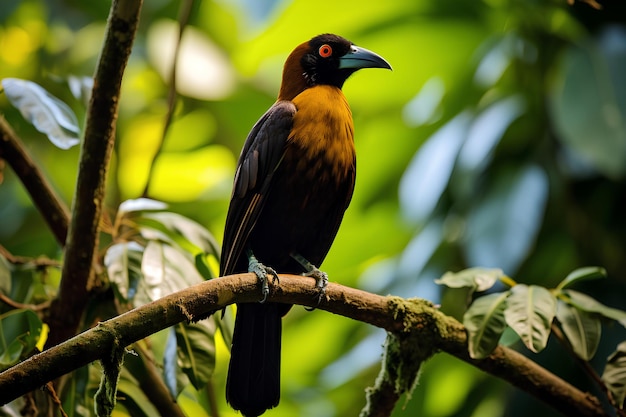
(325, 51)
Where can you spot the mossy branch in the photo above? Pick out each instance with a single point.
(404, 318)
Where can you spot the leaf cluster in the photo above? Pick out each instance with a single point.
(533, 311)
(155, 253)
(152, 253)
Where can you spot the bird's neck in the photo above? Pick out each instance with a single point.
(293, 82)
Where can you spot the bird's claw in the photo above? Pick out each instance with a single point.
(321, 281)
(262, 272)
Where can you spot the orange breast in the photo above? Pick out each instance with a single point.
(323, 132)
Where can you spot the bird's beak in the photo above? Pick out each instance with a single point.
(359, 58)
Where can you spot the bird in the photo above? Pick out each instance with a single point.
(294, 180)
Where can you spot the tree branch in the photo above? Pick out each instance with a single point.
(51, 207)
(390, 313)
(82, 240)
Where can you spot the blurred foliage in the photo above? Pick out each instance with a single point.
(498, 141)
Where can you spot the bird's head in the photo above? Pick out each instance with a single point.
(325, 59)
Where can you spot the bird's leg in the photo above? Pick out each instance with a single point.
(262, 272)
(321, 278)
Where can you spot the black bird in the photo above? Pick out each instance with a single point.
(294, 180)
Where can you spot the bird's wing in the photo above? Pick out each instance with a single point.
(260, 156)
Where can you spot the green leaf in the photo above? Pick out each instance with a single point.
(139, 204)
(47, 113)
(225, 323)
(180, 227)
(484, 321)
(5, 276)
(141, 275)
(530, 312)
(74, 398)
(590, 305)
(582, 274)
(589, 101)
(123, 263)
(134, 399)
(170, 364)
(80, 87)
(581, 328)
(166, 269)
(203, 267)
(196, 350)
(614, 375)
(20, 331)
(479, 279)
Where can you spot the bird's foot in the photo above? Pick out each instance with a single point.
(263, 273)
(321, 277)
(321, 281)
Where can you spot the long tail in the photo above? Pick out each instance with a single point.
(253, 383)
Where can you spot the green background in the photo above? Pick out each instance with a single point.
(499, 140)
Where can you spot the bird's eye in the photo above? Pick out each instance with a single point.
(325, 51)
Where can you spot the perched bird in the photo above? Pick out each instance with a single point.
(294, 180)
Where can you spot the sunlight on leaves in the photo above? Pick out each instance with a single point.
(136, 147)
(165, 270)
(479, 279)
(485, 323)
(47, 113)
(183, 176)
(180, 227)
(140, 204)
(530, 312)
(196, 350)
(590, 305)
(123, 263)
(581, 328)
(170, 363)
(202, 68)
(19, 333)
(582, 274)
(81, 88)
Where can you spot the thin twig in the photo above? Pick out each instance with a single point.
(41, 262)
(14, 304)
(592, 3)
(556, 331)
(50, 206)
(49, 388)
(183, 20)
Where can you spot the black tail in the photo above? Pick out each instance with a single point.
(253, 383)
